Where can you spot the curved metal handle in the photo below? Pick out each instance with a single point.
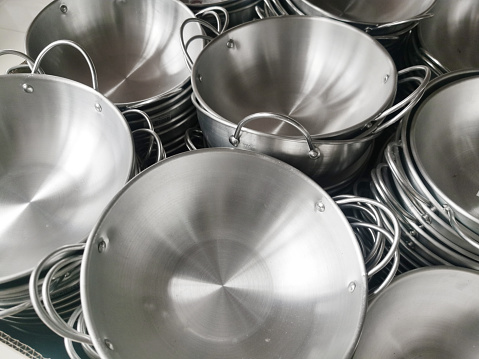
(27, 58)
(406, 104)
(161, 151)
(5, 313)
(216, 31)
(453, 222)
(392, 236)
(211, 10)
(294, 8)
(418, 18)
(400, 176)
(63, 329)
(235, 138)
(189, 135)
(94, 77)
(77, 317)
(148, 122)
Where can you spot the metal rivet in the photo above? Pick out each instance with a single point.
(319, 207)
(101, 246)
(27, 88)
(98, 107)
(351, 287)
(199, 78)
(108, 344)
(230, 44)
(386, 78)
(63, 8)
(413, 233)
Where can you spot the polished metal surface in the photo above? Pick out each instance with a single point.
(333, 80)
(450, 36)
(444, 144)
(428, 314)
(337, 159)
(61, 161)
(134, 45)
(366, 12)
(222, 253)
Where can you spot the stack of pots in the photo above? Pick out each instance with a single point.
(429, 179)
(388, 21)
(136, 50)
(313, 104)
(447, 41)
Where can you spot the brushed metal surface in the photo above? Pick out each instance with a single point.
(61, 161)
(327, 75)
(427, 313)
(134, 45)
(221, 253)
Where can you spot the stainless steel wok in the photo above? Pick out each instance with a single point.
(427, 313)
(222, 253)
(134, 45)
(65, 150)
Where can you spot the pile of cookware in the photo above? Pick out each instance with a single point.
(232, 251)
(428, 178)
(313, 104)
(137, 55)
(448, 40)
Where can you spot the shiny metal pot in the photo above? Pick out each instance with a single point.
(65, 150)
(374, 16)
(134, 45)
(328, 162)
(293, 66)
(427, 313)
(444, 142)
(223, 253)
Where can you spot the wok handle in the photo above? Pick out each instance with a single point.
(383, 218)
(58, 326)
(77, 317)
(235, 138)
(453, 222)
(94, 77)
(400, 176)
(5, 313)
(193, 133)
(418, 18)
(27, 58)
(216, 31)
(406, 104)
(161, 150)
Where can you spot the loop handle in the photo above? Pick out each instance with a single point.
(94, 77)
(216, 31)
(161, 150)
(27, 58)
(399, 175)
(406, 104)
(193, 133)
(418, 18)
(235, 138)
(453, 222)
(63, 329)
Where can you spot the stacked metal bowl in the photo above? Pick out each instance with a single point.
(447, 41)
(135, 48)
(313, 104)
(429, 179)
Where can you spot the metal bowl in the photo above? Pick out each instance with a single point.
(427, 313)
(221, 253)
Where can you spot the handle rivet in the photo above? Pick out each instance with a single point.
(98, 107)
(27, 88)
(108, 344)
(319, 207)
(351, 287)
(230, 44)
(386, 78)
(101, 246)
(199, 78)
(63, 8)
